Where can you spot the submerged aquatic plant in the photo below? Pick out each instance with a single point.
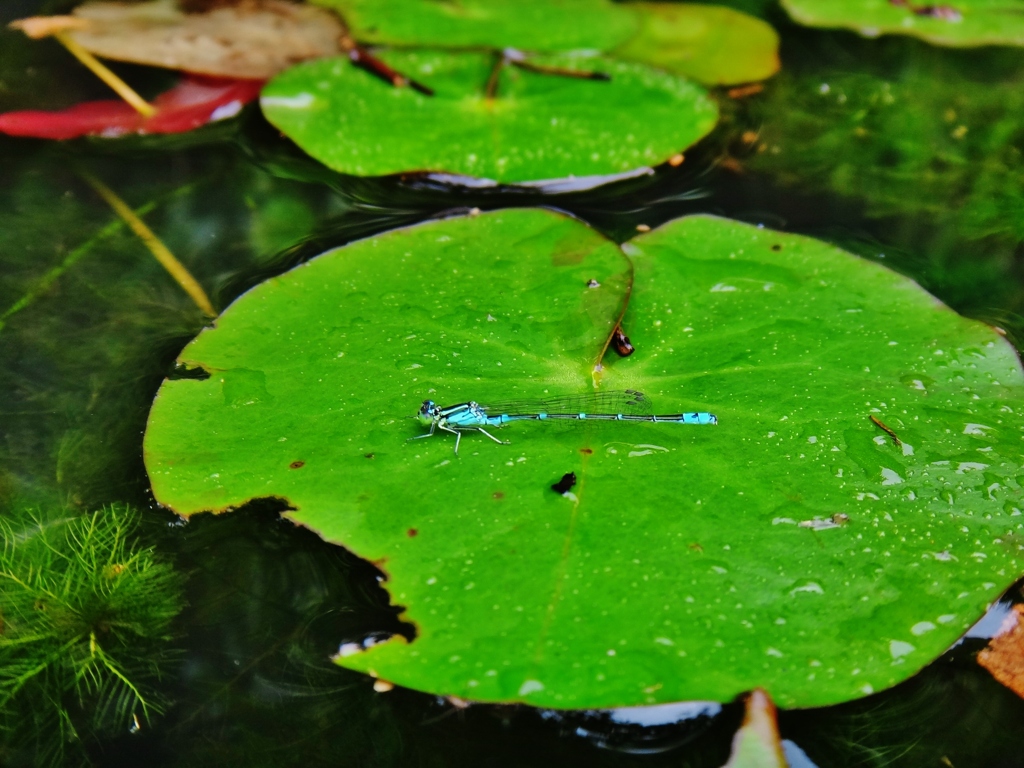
(86, 617)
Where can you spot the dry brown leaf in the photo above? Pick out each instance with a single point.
(1004, 656)
(44, 26)
(252, 39)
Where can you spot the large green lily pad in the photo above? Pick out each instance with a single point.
(530, 25)
(960, 23)
(539, 126)
(711, 44)
(690, 562)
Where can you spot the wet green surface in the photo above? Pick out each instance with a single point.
(537, 126)
(530, 25)
(269, 602)
(707, 43)
(961, 23)
(627, 592)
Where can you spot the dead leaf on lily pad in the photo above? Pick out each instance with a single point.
(251, 39)
(38, 27)
(1004, 656)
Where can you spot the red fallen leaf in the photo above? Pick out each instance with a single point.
(193, 102)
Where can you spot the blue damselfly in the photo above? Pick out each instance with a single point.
(627, 405)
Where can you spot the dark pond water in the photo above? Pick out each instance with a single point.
(890, 148)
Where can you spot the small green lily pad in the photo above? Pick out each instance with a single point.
(711, 44)
(529, 25)
(539, 126)
(959, 23)
(796, 546)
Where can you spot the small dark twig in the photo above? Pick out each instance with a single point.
(944, 12)
(491, 89)
(559, 71)
(362, 58)
(517, 58)
(878, 423)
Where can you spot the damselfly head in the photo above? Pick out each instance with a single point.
(428, 412)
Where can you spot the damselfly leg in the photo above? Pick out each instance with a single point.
(428, 434)
(499, 442)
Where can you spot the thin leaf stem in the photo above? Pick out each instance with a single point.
(112, 667)
(51, 275)
(361, 57)
(160, 251)
(559, 71)
(491, 90)
(120, 87)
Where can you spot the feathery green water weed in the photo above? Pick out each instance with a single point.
(86, 628)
